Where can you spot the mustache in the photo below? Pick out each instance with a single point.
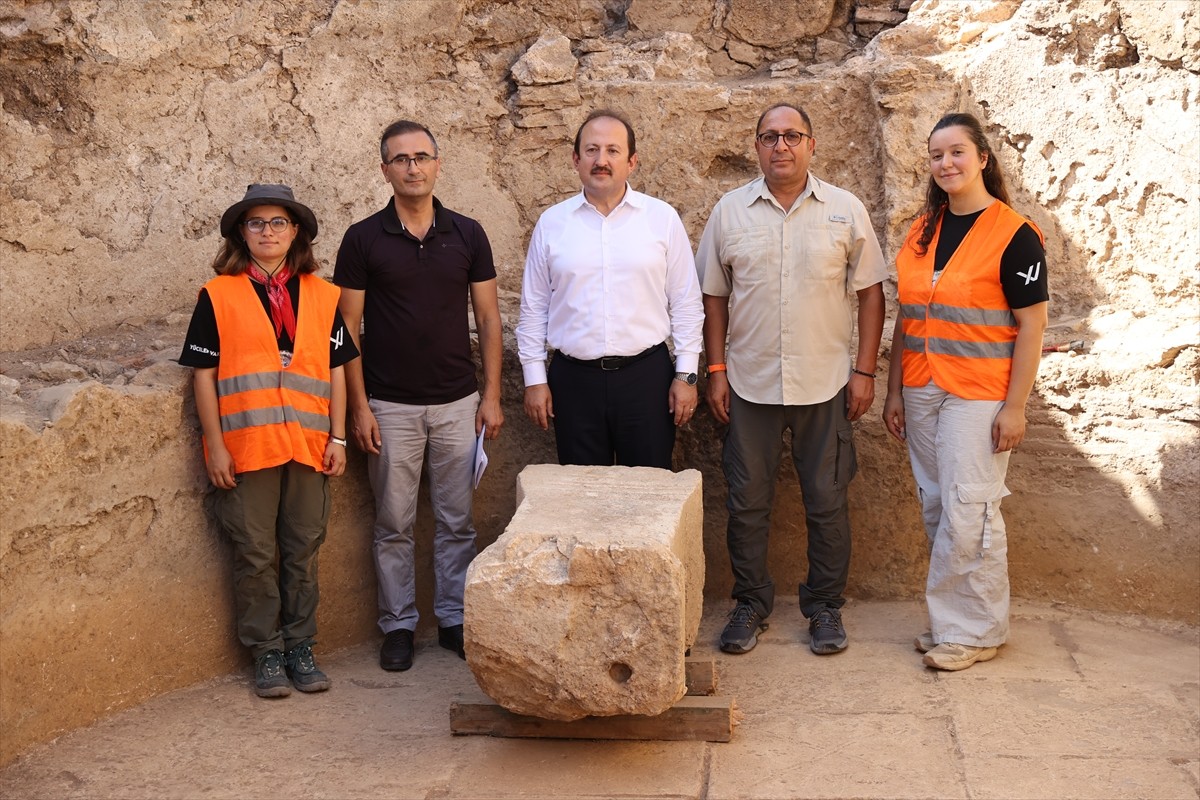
(601, 171)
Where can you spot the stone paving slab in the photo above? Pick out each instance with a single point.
(1078, 705)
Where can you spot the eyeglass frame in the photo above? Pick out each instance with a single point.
(758, 137)
(420, 159)
(262, 224)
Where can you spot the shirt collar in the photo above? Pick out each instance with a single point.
(758, 191)
(392, 223)
(634, 199)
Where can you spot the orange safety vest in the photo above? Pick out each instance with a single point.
(961, 332)
(271, 415)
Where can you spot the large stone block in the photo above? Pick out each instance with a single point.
(587, 603)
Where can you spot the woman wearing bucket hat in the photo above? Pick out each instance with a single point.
(267, 344)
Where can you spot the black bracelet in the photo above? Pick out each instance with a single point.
(870, 375)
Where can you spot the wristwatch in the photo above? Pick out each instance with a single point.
(689, 378)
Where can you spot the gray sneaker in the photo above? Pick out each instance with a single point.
(826, 632)
(302, 668)
(269, 677)
(741, 632)
(924, 643)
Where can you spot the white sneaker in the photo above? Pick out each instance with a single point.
(950, 656)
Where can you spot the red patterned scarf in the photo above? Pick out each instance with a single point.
(281, 303)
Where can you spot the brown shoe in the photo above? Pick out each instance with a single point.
(950, 656)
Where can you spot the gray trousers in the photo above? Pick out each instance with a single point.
(825, 461)
(446, 433)
(961, 483)
(284, 507)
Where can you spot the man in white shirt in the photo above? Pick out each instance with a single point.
(608, 279)
(778, 261)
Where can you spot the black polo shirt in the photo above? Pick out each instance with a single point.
(416, 342)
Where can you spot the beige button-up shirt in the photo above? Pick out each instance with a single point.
(790, 275)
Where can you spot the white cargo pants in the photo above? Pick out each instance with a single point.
(961, 483)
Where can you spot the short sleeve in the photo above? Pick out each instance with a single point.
(341, 346)
(483, 268)
(1023, 270)
(202, 345)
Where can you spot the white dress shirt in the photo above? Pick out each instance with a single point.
(613, 285)
(790, 275)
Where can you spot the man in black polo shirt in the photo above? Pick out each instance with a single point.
(407, 271)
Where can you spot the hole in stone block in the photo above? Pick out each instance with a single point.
(619, 672)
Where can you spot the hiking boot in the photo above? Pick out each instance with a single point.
(270, 679)
(741, 632)
(827, 636)
(396, 655)
(924, 643)
(302, 669)
(948, 655)
(451, 638)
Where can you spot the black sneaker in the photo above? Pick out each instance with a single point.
(396, 655)
(302, 668)
(269, 677)
(826, 632)
(451, 638)
(741, 632)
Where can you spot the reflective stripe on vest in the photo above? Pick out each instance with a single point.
(964, 342)
(271, 415)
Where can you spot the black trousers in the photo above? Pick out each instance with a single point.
(605, 417)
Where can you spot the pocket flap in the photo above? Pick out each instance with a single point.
(981, 492)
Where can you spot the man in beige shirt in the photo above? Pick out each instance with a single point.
(778, 261)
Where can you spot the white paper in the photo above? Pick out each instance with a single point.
(481, 458)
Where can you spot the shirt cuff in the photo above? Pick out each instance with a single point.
(687, 362)
(535, 373)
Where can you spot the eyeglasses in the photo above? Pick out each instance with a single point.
(791, 138)
(278, 224)
(420, 159)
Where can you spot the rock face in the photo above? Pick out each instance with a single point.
(587, 603)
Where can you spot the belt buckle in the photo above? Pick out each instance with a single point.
(616, 361)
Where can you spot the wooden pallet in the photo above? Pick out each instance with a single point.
(696, 717)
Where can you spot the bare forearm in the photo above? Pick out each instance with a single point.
(337, 402)
(716, 327)
(870, 328)
(491, 353)
(896, 360)
(204, 384)
(1027, 354)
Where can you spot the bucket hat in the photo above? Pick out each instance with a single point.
(268, 194)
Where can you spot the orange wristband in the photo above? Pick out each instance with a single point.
(715, 368)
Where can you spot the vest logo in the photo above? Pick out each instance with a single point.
(1034, 273)
(337, 340)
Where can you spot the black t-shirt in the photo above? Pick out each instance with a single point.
(416, 342)
(202, 346)
(1022, 267)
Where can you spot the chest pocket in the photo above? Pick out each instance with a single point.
(749, 252)
(827, 249)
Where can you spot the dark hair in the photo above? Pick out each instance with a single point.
(399, 127)
(803, 115)
(619, 117)
(234, 256)
(936, 198)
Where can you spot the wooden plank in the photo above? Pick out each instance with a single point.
(707, 719)
(700, 676)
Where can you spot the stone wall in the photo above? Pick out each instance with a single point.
(127, 128)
